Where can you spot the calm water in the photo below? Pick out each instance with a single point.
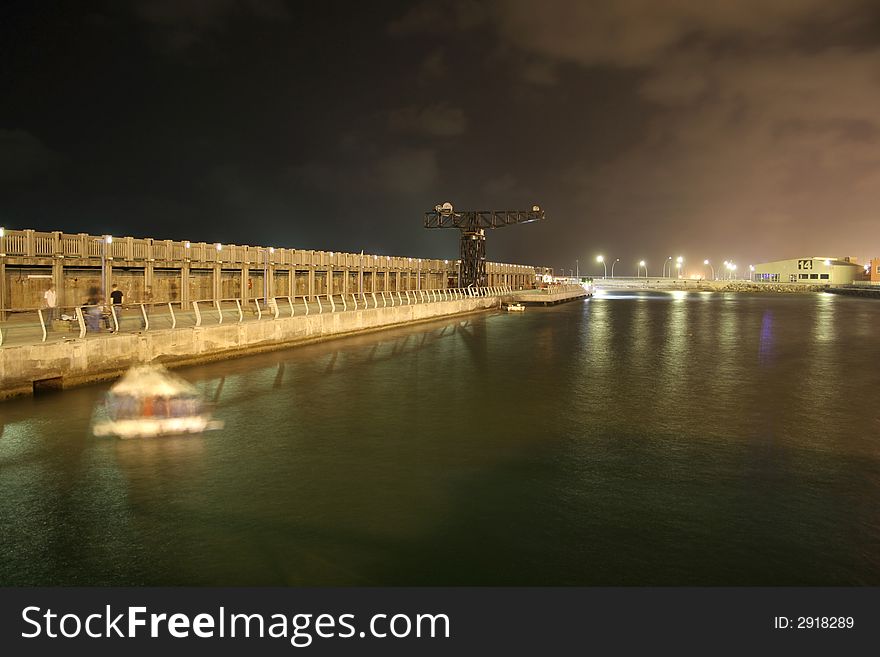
(633, 439)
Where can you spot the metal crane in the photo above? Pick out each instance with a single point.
(473, 225)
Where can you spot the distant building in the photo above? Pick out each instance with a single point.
(812, 271)
(874, 265)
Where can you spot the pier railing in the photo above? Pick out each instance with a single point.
(30, 326)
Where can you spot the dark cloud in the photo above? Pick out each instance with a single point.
(180, 24)
(437, 120)
(23, 157)
(402, 171)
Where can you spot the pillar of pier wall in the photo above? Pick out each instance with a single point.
(3, 295)
(245, 292)
(215, 284)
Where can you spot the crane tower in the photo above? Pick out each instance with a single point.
(473, 225)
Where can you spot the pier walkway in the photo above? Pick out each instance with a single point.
(37, 358)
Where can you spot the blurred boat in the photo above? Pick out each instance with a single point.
(515, 308)
(150, 401)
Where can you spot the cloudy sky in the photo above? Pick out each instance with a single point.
(745, 130)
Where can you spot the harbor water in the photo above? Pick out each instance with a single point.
(640, 438)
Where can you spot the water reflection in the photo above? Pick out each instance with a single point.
(631, 439)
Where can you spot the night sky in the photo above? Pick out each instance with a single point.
(746, 130)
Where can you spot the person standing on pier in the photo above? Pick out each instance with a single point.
(51, 300)
(116, 295)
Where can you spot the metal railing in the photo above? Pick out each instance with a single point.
(29, 326)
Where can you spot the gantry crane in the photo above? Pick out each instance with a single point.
(473, 225)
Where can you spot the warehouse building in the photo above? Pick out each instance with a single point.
(812, 271)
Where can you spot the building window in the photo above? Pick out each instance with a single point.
(792, 278)
(878, 269)
(814, 276)
(804, 276)
(824, 276)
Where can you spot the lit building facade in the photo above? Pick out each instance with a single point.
(809, 271)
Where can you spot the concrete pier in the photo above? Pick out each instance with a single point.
(31, 367)
(550, 296)
(869, 291)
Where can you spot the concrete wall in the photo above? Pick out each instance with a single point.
(185, 271)
(80, 361)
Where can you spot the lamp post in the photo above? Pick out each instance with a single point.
(751, 272)
(706, 262)
(577, 269)
(602, 260)
(105, 241)
(612, 266)
(639, 269)
(668, 261)
(678, 264)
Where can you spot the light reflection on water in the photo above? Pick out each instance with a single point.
(630, 439)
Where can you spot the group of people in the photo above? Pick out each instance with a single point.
(95, 313)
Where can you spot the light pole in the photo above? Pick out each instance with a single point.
(602, 260)
(678, 263)
(107, 240)
(612, 266)
(668, 261)
(706, 262)
(751, 272)
(577, 269)
(639, 269)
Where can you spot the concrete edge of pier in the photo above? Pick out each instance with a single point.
(26, 369)
(544, 298)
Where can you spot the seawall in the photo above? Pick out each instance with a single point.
(58, 365)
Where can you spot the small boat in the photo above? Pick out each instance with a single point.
(150, 401)
(514, 308)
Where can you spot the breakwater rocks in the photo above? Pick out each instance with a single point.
(765, 287)
(708, 286)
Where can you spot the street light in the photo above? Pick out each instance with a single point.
(678, 262)
(577, 268)
(706, 262)
(612, 266)
(105, 242)
(668, 261)
(602, 260)
(639, 269)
